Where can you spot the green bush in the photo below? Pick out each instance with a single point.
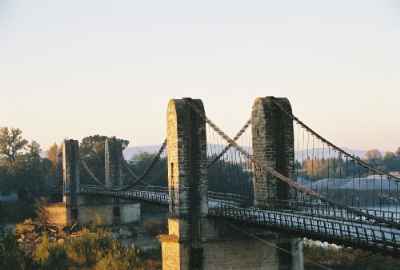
(89, 250)
(11, 256)
(51, 256)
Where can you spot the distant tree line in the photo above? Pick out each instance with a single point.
(223, 176)
(341, 167)
(22, 169)
(92, 150)
(25, 171)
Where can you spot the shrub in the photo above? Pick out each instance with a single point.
(11, 256)
(89, 250)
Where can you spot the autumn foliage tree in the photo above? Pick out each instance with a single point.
(11, 143)
(52, 156)
(22, 169)
(92, 150)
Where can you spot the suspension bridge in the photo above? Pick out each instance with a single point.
(276, 173)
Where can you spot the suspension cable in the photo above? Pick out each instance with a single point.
(226, 149)
(130, 171)
(281, 177)
(359, 160)
(148, 169)
(91, 174)
(137, 179)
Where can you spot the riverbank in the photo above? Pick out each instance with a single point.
(338, 258)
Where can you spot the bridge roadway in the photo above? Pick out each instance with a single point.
(348, 232)
(160, 195)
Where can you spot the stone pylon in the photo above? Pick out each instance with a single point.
(273, 146)
(71, 179)
(188, 186)
(113, 162)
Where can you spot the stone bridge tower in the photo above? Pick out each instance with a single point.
(188, 187)
(273, 146)
(71, 182)
(85, 208)
(113, 162)
(192, 244)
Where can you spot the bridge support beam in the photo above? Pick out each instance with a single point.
(273, 146)
(71, 179)
(113, 159)
(187, 182)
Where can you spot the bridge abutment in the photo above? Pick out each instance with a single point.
(229, 248)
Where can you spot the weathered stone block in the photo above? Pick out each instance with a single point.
(273, 146)
(187, 165)
(113, 162)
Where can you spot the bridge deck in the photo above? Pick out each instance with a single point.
(356, 233)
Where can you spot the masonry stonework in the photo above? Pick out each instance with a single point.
(230, 249)
(273, 146)
(187, 160)
(113, 159)
(187, 181)
(71, 178)
(85, 209)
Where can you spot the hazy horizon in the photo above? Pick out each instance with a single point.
(69, 69)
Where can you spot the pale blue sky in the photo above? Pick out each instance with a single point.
(74, 68)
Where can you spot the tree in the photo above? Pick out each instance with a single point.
(25, 172)
(391, 161)
(34, 150)
(398, 152)
(91, 250)
(316, 168)
(52, 156)
(230, 177)
(92, 150)
(94, 145)
(11, 255)
(158, 176)
(11, 143)
(374, 156)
